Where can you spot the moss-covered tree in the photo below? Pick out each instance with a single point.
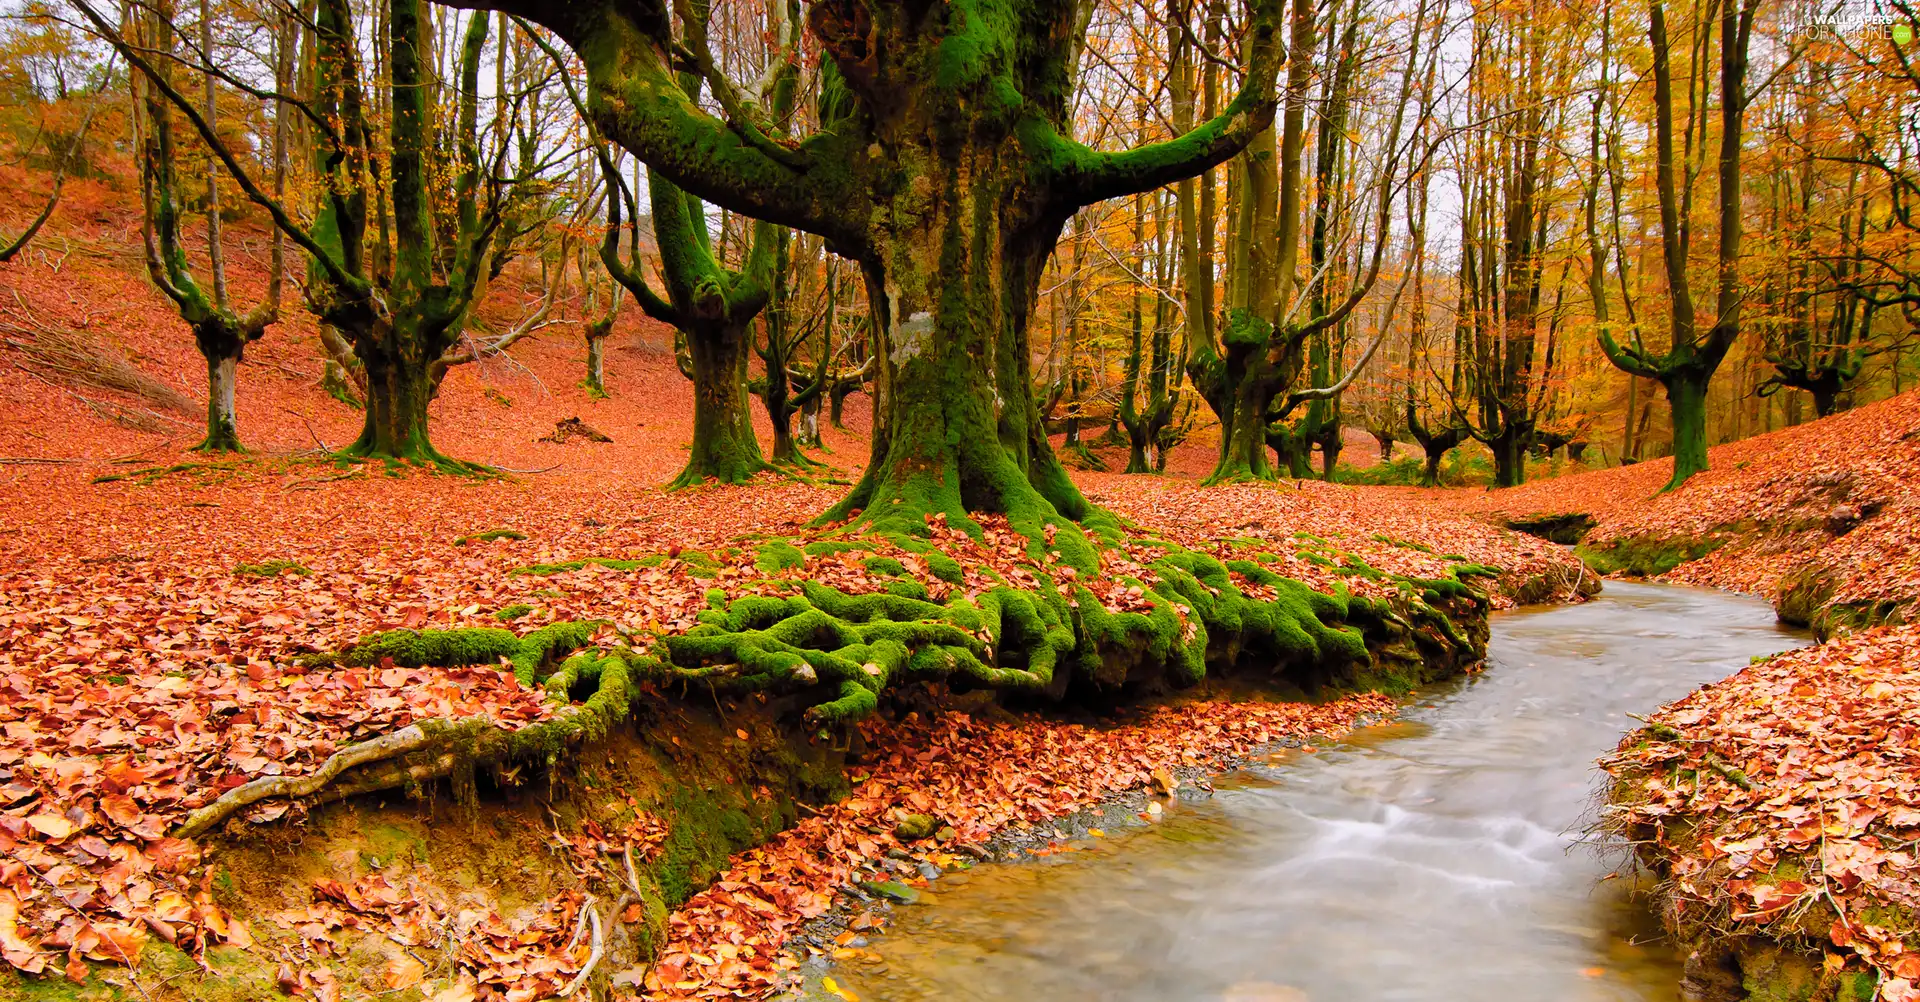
(1695, 348)
(943, 163)
(378, 273)
(711, 308)
(220, 331)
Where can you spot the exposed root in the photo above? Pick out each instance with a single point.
(435, 749)
(407, 739)
(595, 951)
(1039, 630)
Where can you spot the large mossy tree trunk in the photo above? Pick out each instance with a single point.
(962, 430)
(1238, 383)
(944, 166)
(724, 447)
(1687, 398)
(398, 365)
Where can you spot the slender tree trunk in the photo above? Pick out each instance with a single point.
(808, 434)
(222, 357)
(596, 381)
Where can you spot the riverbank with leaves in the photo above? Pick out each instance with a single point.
(1779, 807)
(161, 653)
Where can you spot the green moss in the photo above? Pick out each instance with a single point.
(703, 833)
(885, 566)
(1646, 556)
(945, 568)
(779, 555)
(1407, 544)
(229, 975)
(1777, 972)
(508, 614)
(611, 563)
(489, 536)
(271, 568)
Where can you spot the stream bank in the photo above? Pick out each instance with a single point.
(1430, 858)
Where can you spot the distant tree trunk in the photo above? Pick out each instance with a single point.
(807, 436)
(219, 332)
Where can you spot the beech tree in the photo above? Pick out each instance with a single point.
(380, 272)
(710, 307)
(1252, 377)
(220, 331)
(1696, 348)
(944, 165)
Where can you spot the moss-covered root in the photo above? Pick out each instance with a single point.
(436, 749)
(842, 651)
(588, 692)
(529, 655)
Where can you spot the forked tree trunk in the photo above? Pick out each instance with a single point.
(1238, 387)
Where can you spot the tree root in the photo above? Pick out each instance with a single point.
(1186, 610)
(438, 748)
(386, 746)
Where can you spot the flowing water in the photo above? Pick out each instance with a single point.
(1434, 858)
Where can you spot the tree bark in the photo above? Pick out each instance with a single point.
(724, 447)
(596, 381)
(1687, 397)
(221, 433)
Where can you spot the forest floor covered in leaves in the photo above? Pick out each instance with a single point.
(154, 630)
(160, 614)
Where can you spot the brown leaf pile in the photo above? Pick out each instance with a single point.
(1820, 842)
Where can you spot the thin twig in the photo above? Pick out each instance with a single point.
(593, 955)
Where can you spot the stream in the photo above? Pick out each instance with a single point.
(1432, 858)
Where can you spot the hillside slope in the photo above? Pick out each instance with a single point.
(1821, 518)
